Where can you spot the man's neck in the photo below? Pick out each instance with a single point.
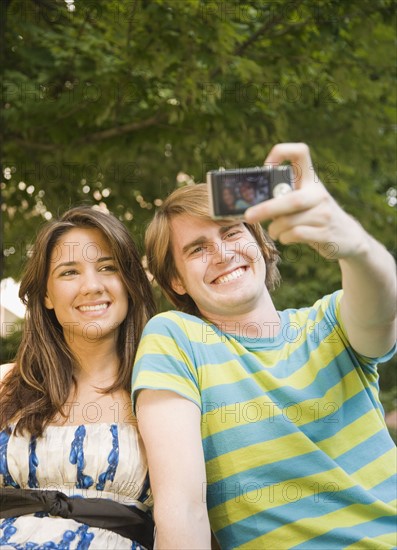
(261, 322)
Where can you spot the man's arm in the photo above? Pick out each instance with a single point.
(368, 305)
(170, 429)
(310, 215)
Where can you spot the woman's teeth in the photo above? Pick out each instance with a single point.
(93, 308)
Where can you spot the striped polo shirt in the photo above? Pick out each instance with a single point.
(296, 447)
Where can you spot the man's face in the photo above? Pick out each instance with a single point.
(247, 192)
(219, 264)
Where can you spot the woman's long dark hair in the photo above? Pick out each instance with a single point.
(38, 387)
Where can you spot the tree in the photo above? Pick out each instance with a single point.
(108, 100)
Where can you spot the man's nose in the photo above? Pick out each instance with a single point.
(224, 252)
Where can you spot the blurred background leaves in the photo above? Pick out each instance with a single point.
(106, 101)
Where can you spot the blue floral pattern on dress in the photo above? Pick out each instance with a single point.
(83, 453)
(68, 537)
(145, 490)
(8, 481)
(77, 457)
(113, 460)
(33, 463)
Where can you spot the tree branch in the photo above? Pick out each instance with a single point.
(94, 137)
(120, 130)
(265, 27)
(34, 144)
(262, 30)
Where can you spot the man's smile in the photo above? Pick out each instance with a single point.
(231, 276)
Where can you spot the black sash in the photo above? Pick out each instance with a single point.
(127, 521)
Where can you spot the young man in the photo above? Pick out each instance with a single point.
(270, 419)
(248, 195)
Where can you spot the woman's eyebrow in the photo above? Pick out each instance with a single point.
(72, 263)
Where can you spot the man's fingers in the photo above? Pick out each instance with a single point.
(291, 203)
(299, 156)
(283, 224)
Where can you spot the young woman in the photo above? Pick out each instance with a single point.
(73, 472)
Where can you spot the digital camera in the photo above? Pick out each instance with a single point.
(231, 192)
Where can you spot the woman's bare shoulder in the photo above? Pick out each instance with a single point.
(5, 369)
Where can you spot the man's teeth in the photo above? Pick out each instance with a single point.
(230, 276)
(93, 308)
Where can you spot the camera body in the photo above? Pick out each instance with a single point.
(231, 192)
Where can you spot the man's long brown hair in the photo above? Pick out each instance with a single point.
(37, 388)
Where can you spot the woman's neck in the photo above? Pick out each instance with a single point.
(98, 361)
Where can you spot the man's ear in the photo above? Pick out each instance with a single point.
(177, 286)
(47, 302)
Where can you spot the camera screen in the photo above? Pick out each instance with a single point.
(233, 191)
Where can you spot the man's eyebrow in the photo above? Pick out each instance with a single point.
(225, 228)
(200, 240)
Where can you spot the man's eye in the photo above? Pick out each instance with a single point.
(197, 250)
(232, 233)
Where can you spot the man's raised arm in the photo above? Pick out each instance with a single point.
(310, 215)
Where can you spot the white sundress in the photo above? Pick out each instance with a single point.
(90, 460)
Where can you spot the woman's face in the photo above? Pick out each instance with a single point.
(84, 287)
(228, 197)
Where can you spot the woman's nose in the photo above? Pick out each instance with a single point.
(92, 284)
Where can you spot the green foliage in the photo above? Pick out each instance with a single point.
(109, 101)
(9, 347)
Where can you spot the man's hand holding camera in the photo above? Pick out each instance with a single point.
(309, 214)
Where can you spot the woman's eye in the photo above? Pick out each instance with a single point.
(68, 273)
(111, 268)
